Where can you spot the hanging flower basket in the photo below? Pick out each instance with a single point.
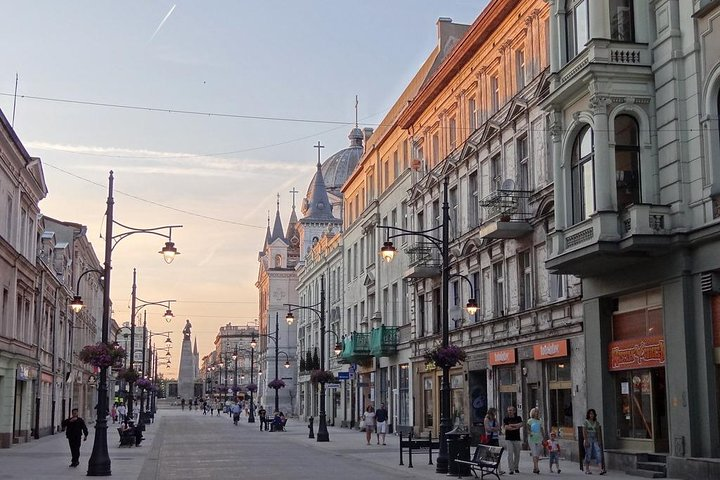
(235, 389)
(143, 383)
(251, 387)
(446, 356)
(321, 376)
(130, 375)
(102, 355)
(276, 384)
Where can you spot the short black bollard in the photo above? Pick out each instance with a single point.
(410, 439)
(401, 448)
(310, 427)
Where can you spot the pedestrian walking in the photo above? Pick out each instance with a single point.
(554, 451)
(492, 428)
(236, 413)
(74, 429)
(513, 443)
(262, 413)
(204, 407)
(218, 407)
(182, 404)
(122, 412)
(113, 412)
(369, 419)
(381, 416)
(536, 435)
(593, 442)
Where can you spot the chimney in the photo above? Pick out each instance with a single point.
(367, 133)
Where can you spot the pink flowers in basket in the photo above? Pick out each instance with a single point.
(276, 384)
(446, 356)
(102, 355)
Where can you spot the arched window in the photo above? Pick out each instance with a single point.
(627, 161)
(582, 175)
(278, 261)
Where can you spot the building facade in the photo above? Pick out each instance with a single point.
(633, 119)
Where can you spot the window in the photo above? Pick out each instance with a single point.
(582, 175)
(437, 311)
(576, 24)
(457, 400)
(473, 202)
(394, 303)
(427, 402)
(494, 93)
(437, 213)
(621, 20)
(386, 174)
(421, 316)
(405, 159)
(507, 387)
(472, 114)
(403, 394)
(520, 68)
(454, 227)
(498, 290)
(495, 172)
(627, 161)
(560, 389)
(403, 216)
(385, 304)
(476, 295)
(452, 130)
(524, 280)
(557, 284)
(523, 168)
(435, 149)
(362, 253)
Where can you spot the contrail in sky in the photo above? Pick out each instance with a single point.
(163, 22)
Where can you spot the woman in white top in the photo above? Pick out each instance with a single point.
(369, 418)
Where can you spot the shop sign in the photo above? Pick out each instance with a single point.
(23, 372)
(502, 357)
(646, 352)
(554, 349)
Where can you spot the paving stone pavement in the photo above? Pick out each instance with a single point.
(188, 445)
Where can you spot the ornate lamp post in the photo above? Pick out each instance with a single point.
(388, 252)
(99, 463)
(322, 433)
(274, 338)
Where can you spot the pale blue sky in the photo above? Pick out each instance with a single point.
(288, 59)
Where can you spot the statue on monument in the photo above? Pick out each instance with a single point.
(187, 328)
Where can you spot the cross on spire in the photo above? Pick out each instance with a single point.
(293, 192)
(356, 111)
(278, 201)
(319, 146)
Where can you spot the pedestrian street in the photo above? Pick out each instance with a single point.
(189, 445)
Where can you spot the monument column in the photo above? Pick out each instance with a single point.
(186, 376)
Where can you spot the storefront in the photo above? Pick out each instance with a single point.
(504, 367)
(554, 359)
(636, 358)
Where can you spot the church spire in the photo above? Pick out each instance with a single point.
(317, 204)
(277, 231)
(195, 350)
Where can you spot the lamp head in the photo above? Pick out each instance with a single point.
(77, 304)
(289, 318)
(338, 348)
(169, 252)
(168, 353)
(471, 306)
(388, 251)
(168, 316)
(234, 356)
(253, 342)
(168, 340)
(287, 363)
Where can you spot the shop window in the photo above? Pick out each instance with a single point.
(507, 388)
(576, 27)
(634, 388)
(428, 403)
(627, 161)
(560, 389)
(403, 395)
(621, 20)
(582, 175)
(457, 400)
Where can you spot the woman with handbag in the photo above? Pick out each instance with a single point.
(492, 428)
(369, 419)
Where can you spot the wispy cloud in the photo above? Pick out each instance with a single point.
(173, 163)
(162, 23)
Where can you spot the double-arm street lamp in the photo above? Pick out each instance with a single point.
(99, 463)
(319, 310)
(147, 369)
(275, 338)
(388, 252)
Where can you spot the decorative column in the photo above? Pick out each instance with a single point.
(604, 171)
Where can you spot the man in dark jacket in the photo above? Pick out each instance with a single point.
(74, 429)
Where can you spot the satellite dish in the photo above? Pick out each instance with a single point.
(508, 184)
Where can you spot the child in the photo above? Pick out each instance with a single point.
(554, 449)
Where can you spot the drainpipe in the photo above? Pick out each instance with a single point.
(38, 379)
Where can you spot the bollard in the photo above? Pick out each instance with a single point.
(410, 437)
(430, 447)
(401, 460)
(310, 427)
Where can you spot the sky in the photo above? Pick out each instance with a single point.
(205, 111)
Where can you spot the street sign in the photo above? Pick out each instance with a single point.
(353, 367)
(343, 375)
(332, 385)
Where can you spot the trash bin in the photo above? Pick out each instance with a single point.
(458, 444)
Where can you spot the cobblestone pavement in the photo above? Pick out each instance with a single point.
(188, 445)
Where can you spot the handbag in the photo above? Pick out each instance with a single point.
(485, 439)
(362, 424)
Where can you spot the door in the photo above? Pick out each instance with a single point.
(662, 441)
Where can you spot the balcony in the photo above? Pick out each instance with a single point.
(506, 211)
(425, 260)
(619, 59)
(356, 347)
(383, 341)
(610, 240)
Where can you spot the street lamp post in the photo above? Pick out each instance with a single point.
(274, 338)
(442, 244)
(322, 434)
(99, 463)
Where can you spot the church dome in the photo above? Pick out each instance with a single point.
(337, 168)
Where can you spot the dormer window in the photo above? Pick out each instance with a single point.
(576, 26)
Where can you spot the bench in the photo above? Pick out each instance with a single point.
(415, 443)
(274, 425)
(486, 459)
